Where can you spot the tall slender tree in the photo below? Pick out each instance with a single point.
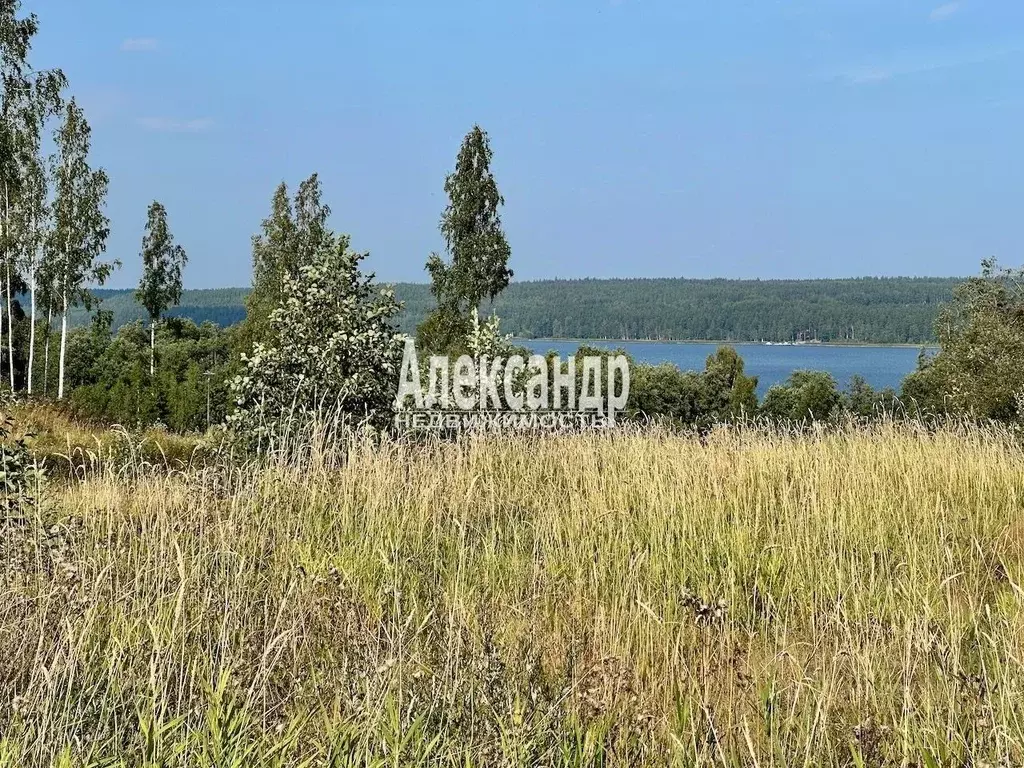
(28, 97)
(269, 252)
(162, 264)
(311, 232)
(29, 224)
(32, 220)
(15, 43)
(479, 253)
(80, 226)
(290, 237)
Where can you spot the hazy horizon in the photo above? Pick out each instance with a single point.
(122, 288)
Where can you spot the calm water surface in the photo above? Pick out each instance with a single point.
(880, 366)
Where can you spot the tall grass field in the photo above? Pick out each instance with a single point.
(851, 597)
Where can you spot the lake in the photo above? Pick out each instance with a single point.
(880, 366)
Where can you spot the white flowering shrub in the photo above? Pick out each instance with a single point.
(334, 351)
(485, 338)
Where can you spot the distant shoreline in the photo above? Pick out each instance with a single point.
(857, 313)
(719, 342)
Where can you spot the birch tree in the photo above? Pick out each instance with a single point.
(11, 240)
(32, 221)
(27, 98)
(15, 42)
(80, 231)
(28, 225)
(8, 180)
(162, 264)
(291, 237)
(471, 224)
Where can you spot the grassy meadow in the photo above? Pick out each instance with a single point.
(850, 597)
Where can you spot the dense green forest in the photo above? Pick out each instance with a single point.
(882, 310)
(221, 306)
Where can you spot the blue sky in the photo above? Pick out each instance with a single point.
(799, 138)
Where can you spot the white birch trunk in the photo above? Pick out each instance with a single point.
(3, 230)
(10, 327)
(32, 327)
(1, 328)
(46, 351)
(63, 347)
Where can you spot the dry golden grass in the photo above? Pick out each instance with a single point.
(844, 598)
(70, 446)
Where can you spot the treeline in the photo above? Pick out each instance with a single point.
(978, 373)
(221, 306)
(897, 310)
(881, 310)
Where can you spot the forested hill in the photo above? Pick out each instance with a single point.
(889, 310)
(883, 310)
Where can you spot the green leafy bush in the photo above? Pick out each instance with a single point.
(979, 372)
(722, 392)
(806, 396)
(20, 476)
